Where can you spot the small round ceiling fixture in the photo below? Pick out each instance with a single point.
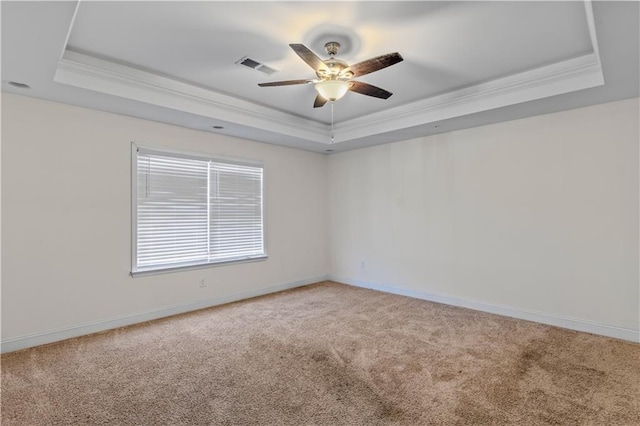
(18, 85)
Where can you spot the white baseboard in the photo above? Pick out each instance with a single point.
(51, 336)
(525, 314)
(37, 339)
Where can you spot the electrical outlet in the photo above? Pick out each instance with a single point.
(203, 284)
(363, 265)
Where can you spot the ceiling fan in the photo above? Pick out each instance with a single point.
(335, 76)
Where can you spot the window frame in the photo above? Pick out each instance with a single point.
(135, 272)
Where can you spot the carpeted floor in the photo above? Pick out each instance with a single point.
(327, 354)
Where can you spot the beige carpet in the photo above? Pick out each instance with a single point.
(327, 354)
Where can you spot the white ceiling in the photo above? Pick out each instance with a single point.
(465, 63)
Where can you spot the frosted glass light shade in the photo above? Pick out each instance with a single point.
(332, 90)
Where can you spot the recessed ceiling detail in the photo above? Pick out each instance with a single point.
(465, 63)
(119, 80)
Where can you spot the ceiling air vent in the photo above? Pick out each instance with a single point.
(255, 65)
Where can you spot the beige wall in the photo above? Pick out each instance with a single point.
(66, 218)
(537, 215)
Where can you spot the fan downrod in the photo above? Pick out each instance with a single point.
(332, 48)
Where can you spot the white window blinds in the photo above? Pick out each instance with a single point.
(194, 210)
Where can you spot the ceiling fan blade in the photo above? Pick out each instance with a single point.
(285, 83)
(308, 56)
(375, 64)
(319, 102)
(369, 90)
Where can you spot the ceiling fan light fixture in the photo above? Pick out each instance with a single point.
(332, 90)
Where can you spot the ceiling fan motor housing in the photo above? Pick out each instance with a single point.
(335, 69)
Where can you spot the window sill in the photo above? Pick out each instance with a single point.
(145, 272)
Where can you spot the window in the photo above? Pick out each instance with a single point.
(190, 210)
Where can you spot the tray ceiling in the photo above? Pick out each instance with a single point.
(465, 63)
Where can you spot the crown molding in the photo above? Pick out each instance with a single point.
(100, 75)
(555, 79)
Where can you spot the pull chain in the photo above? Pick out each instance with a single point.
(332, 135)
